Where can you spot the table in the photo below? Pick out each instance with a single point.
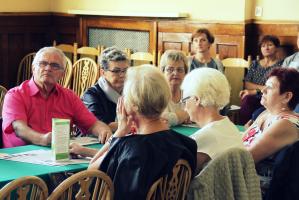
(10, 170)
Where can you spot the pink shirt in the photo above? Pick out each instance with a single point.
(25, 103)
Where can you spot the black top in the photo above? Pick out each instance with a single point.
(135, 162)
(98, 103)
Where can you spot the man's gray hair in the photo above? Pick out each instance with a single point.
(53, 50)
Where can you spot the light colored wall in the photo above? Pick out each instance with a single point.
(249, 9)
(284, 10)
(198, 9)
(220, 10)
(25, 6)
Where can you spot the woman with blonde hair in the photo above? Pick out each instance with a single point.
(174, 65)
(135, 161)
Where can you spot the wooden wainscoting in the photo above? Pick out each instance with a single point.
(66, 28)
(20, 34)
(285, 31)
(124, 23)
(229, 38)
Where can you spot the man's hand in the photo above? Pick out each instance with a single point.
(31, 136)
(101, 130)
(46, 139)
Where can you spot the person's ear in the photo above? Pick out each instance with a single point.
(197, 101)
(288, 97)
(135, 109)
(102, 72)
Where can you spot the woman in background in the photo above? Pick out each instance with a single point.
(174, 65)
(257, 75)
(202, 39)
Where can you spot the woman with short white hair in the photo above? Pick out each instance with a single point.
(205, 92)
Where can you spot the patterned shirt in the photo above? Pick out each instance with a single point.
(258, 74)
(265, 167)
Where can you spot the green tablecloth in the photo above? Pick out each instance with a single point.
(10, 170)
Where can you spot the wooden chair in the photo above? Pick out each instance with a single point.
(88, 184)
(231, 175)
(3, 91)
(24, 187)
(174, 186)
(138, 58)
(25, 69)
(85, 73)
(66, 79)
(234, 70)
(89, 52)
(68, 49)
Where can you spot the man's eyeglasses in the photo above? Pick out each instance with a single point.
(179, 70)
(54, 66)
(183, 101)
(118, 71)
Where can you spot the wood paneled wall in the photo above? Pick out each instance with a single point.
(22, 33)
(139, 24)
(229, 38)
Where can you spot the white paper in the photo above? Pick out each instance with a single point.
(85, 140)
(42, 157)
(193, 125)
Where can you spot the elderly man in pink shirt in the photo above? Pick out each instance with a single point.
(28, 109)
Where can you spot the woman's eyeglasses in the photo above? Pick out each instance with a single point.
(179, 70)
(118, 71)
(183, 101)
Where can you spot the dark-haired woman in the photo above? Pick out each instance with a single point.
(256, 77)
(278, 125)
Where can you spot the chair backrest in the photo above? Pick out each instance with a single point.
(25, 69)
(285, 179)
(66, 79)
(85, 73)
(89, 52)
(3, 91)
(234, 70)
(138, 58)
(231, 175)
(88, 184)
(68, 49)
(28, 187)
(173, 186)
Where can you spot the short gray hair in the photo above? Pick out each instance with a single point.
(51, 50)
(175, 56)
(112, 54)
(208, 84)
(146, 88)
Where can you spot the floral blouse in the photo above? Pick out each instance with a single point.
(265, 167)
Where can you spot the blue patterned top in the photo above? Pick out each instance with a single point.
(258, 74)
